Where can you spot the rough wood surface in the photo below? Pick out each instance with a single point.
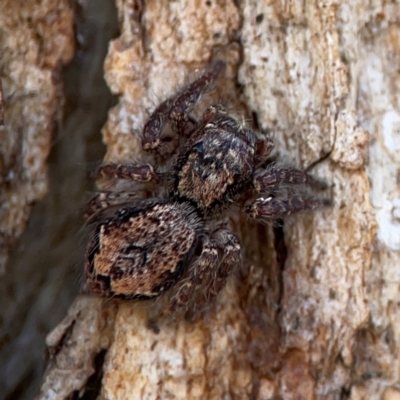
(313, 314)
(36, 38)
(42, 273)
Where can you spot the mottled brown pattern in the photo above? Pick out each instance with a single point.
(141, 248)
(214, 168)
(140, 251)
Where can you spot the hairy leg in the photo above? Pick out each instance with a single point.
(204, 265)
(295, 197)
(142, 173)
(228, 243)
(103, 200)
(265, 179)
(218, 115)
(177, 109)
(187, 99)
(267, 210)
(208, 275)
(264, 147)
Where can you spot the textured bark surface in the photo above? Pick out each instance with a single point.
(313, 313)
(36, 38)
(42, 275)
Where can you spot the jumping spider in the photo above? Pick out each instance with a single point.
(178, 238)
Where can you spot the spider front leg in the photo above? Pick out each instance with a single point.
(266, 179)
(267, 210)
(177, 110)
(271, 207)
(187, 99)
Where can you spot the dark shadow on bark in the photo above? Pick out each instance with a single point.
(43, 273)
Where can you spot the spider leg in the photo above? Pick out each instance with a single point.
(204, 264)
(103, 200)
(142, 173)
(228, 243)
(218, 115)
(177, 109)
(151, 140)
(296, 199)
(266, 210)
(265, 179)
(264, 147)
(186, 100)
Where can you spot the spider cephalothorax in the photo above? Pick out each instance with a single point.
(178, 238)
(216, 165)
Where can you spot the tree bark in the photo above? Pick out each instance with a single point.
(34, 44)
(313, 311)
(56, 110)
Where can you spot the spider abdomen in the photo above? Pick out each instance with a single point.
(139, 252)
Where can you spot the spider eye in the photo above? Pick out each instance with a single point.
(198, 148)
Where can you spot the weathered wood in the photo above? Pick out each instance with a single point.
(34, 44)
(314, 311)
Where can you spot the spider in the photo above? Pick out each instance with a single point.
(177, 238)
